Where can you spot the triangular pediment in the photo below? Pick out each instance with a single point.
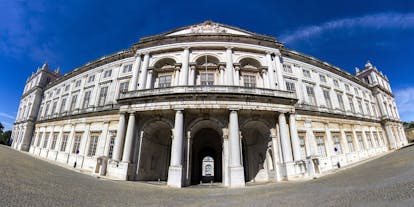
(209, 27)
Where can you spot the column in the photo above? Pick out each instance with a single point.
(270, 71)
(294, 137)
(85, 141)
(229, 66)
(176, 80)
(329, 143)
(120, 136)
(265, 79)
(129, 139)
(284, 139)
(235, 167)
(313, 147)
(404, 137)
(237, 75)
(364, 139)
(184, 68)
(191, 79)
(381, 105)
(355, 138)
(144, 69)
(135, 70)
(148, 85)
(175, 171)
(222, 71)
(374, 144)
(279, 69)
(344, 142)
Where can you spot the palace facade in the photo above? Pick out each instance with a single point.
(208, 103)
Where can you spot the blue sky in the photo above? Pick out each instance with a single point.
(68, 34)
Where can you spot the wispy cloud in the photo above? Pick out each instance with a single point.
(6, 115)
(405, 103)
(373, 21)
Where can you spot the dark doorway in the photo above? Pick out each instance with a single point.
(207, 143)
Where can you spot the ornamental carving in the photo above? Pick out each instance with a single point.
(207, 27)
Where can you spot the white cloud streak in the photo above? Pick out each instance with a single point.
(6, 115)
(405, 102)
(373, 21)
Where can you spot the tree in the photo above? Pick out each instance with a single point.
(5, 137)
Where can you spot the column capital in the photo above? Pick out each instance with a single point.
(234, 109)
(228, 47)
(178, 109)
(186, 47)
(138, 54)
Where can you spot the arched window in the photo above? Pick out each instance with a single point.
(250, 70)
(163, 73)
(207, 70)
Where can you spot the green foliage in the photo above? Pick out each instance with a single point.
(5, 136)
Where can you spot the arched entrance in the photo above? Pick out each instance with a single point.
(155, 152)
(206, 150)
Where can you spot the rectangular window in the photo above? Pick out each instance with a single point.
(311, 95)
(73, 102)
(86, 99)
(369, 140)
(107, 74)
(302, 146)
(102, 96)
(306, 73)
(337, 144)
(360, 142)
(356, 91)
(287, 68)
(376, 141)
(290, 86)
(340, 101)
(63, 105)
(350, 143)
(368, 109)
(54, 139)
(67, 88)
(336, 82)
(46, 140)
(164, 81)
(91, 78)
(249, 81)
(39, 139)
(111, 144)
(347, 87)
(78, 83)
(327, 98)
(361, 110)
(76, 143)
(54, 107)
(93, 144)
(207, 79)
(123, 87)
(351, 104)
(46, 109)
(322, 78)
(320, 143)
(64, 142)
(127, 68)
(374, 110)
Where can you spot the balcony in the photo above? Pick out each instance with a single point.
(212, 89)
(91, 109)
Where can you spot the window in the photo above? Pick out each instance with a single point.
(64, 142)
(373, 110)
(127, 68)
(92, 145)
(78, 83)
(39, 139)
(376, 141)
(336, 82)
(360, 142)
(91, 78)
(102, 96)
(58, 91)
(67, 88)
(306, 73)
(381, 138)
(368, 109)
(327, 98)
(62, 105)
(361, 110)
(350, 143)
(337, 144)
(40, 112)
(347, 87)
(46, 109)
(76, 144)
(54, 139)
(290, 86)
(320, 143)
(111, 144)
(340, 101)
(73, 102)
(369, 140)
(46, 140)
(311, 95)
(107, 74)
(249, 81)
(322, 78)
(54, 107)
(287, 68)
(123, 87)
(86, 99)
(356, 91)
(164, 81)
(351, 104)
(207, 79)
(302, 146)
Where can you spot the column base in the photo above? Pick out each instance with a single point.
(118, 170)
(175, 175)
(236, 177)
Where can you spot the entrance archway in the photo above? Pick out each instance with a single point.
(206, 143)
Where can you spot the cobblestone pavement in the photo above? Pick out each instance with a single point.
(386, 181)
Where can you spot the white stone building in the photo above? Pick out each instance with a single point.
(259, 111)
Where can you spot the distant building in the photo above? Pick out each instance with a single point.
(259, 111)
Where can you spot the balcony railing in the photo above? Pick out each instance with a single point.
(208, 90)
(90, 109)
